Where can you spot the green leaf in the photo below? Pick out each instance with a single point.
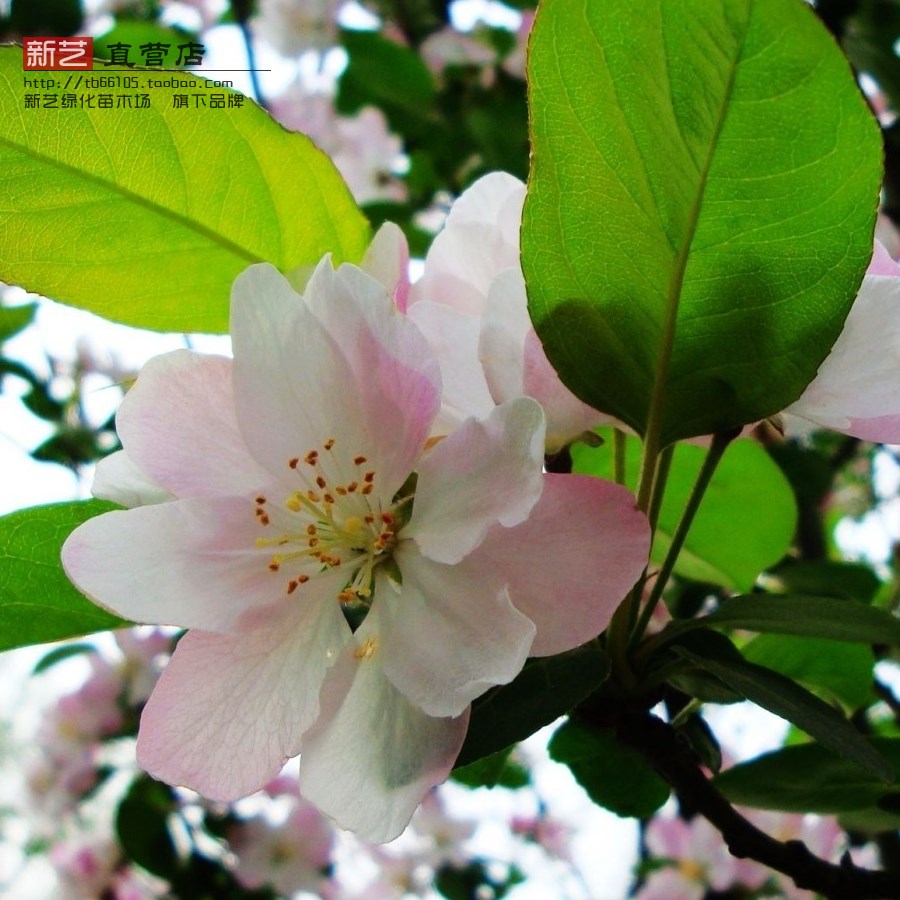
(386, 74)
(498, 769)
(824, 617)
(829, 578)
(615, 776)
(59, 654)
(717, 655)
(37, 602)
(146, 216)
(544, 690)
(808, 778)
(842, 670)
(870, 42)
(142, 826)
(14, 318)
(697, 217)
(746, 520)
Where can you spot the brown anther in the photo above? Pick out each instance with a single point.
(311, 457)
(369, 518)
(367, 489)
(352, 487)
(294, 461)
(346, 596)
(387, 518)
(369, 477)
(321, 482)
(292, 586)
(313, 542)
(260, 500)
(310, 529)
(329, 443)
(263, 519)
(274, 566)
(328, 499)
(358, 460)
(341, 490)
(313, 496)
(303, 579)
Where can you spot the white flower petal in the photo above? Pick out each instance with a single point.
(515, 363)
(453, 336)
(451, 632)
(230, 710)
(118, 478)
(480, 238)
(192, 563)
(486, 471)
(178, 426)
(372, 755)
(857, 382)
(340, 363)
(387, 260)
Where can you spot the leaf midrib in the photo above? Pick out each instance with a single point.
(676, 281)
(131, 196)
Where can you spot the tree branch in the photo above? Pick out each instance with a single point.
(661, 745)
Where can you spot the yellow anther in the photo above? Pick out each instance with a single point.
(352, 524)
(293, 502)
(366, 650)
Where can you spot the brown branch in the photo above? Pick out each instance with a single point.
(660, 744)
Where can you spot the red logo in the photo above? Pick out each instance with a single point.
(57, 53)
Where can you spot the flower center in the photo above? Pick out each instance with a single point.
(332, 520)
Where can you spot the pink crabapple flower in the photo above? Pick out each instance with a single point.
(471, 304)
(294, 490)
(292, 855)
(294, 26)
(855, 390)
(362, 147)
(699, 860)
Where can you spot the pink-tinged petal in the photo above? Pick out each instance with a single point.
(515, 363)
(487, 471)
(387, 261)
(855, 390)
(229, 710)
(453, 336)
(879, 430)
(178, 425)
(571, 563)
(671, 883)
(480, 238)
(340, 363)
(118, 478)
(192, 563)
(372, 755)
(450, 632)
(882, 262)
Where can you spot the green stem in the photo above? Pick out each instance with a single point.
(717, 448)
(622, 624)
(664, 463)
